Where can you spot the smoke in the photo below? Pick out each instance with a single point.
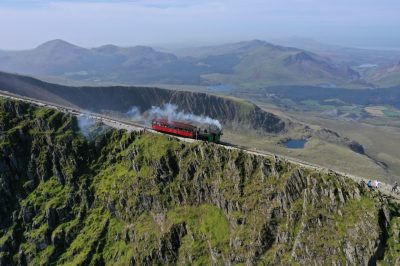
(171, 112)
(86, 125)
(134, 113)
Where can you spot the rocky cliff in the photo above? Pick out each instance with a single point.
(143, 199)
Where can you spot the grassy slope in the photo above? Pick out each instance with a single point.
(388, 76)
(390, 80)
(318, 152)
(380, 141)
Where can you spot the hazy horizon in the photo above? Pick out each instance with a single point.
(176, 47)
(92, 23)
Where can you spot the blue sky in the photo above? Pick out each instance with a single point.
(362, 23)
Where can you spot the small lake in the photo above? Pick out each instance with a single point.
(295, 143)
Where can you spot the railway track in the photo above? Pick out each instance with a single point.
(132, 126)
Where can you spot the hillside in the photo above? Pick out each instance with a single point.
(221, 49)
(133, 198)
(242, 64)
(263, 67)
(387, 76)
(230, 111)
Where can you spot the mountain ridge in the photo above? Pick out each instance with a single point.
(247, 63)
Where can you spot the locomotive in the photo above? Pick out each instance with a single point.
(194, 130)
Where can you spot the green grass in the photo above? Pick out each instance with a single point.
(315, 105)
(206, 224)
(390, 80)
(5, 237)
(88, 239)
(335, 101)
(154, 146)
(352, 213)
(48, 194)
(339, 229)
(116, 250)
(43, 112)
(394, 239)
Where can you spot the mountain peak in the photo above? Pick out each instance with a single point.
(108, 48)
(54, 44)
(253, 43)
(143, 48)
(256, 42)
(303, 56)
(299, 57)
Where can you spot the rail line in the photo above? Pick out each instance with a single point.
(132, 126)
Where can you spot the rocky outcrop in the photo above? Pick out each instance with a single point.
(142, 199)
(333, 137)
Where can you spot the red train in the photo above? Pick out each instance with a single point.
(202, 131)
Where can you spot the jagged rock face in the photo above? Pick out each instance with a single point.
(32, 151)
(144, 199)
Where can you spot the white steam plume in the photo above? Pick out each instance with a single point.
(171, 112)
(134, 113)
(85, 124)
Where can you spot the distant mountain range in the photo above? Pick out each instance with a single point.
(347, 55)
(244, 64)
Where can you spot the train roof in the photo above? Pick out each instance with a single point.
(174, 123)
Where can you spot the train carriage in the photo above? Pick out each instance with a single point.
(193, 130)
